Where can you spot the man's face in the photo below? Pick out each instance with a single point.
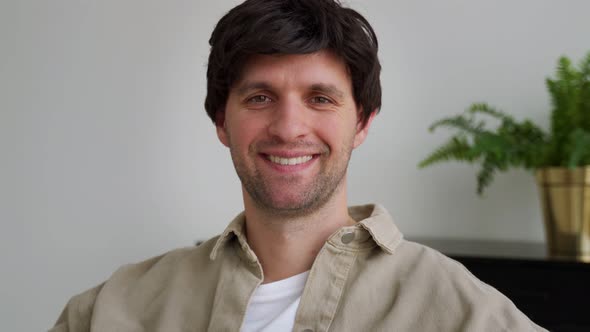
(291, 123)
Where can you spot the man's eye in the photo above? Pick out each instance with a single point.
(259, 99)
(320, 100)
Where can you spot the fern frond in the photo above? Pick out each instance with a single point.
(487, 109)
(584, 96)
(459, 122)
(485, 176)
(456, 148)
(580, 141)
(566, 73)
(565, 116)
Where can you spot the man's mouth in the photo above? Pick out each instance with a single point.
(289, 161)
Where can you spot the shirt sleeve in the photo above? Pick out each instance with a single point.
(77, 314)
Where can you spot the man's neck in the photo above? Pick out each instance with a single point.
(286, 246)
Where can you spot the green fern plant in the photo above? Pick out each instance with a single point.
(514, 144)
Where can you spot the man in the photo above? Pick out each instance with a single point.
(293, 86)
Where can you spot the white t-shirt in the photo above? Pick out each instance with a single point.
(273, 306)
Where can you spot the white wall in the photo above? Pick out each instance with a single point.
(107, 156)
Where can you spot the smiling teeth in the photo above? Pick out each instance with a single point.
(289, 161)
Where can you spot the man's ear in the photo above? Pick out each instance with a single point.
(362, 129)
(221, 128)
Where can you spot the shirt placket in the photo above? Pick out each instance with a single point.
(241, 274)
(325, 285)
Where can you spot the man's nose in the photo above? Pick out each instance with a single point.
(290, 121)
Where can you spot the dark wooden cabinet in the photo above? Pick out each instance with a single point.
(553, 291)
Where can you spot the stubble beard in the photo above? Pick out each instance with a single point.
(307, 198)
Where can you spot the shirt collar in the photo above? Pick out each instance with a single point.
(234, 229)
(373, 218)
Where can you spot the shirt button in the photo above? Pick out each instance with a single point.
(347, 238)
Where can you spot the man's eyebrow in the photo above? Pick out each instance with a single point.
(327, 89)
(249, 86)
(318, 87)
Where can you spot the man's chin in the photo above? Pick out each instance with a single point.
(291, 208)
(288, 206)
(289, 200)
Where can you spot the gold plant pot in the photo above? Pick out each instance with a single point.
(565, 199)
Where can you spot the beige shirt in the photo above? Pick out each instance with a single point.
(365, 278)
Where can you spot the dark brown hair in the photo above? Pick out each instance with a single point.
(293, 27)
